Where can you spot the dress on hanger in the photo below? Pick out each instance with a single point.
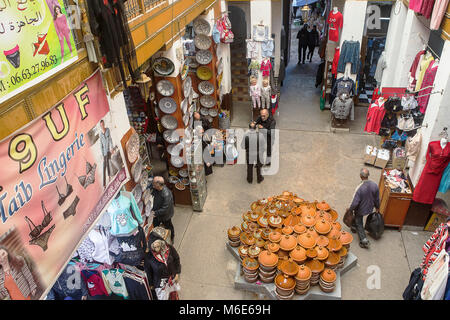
(428, 80)
(413, 70)
(428, 185)
(423, 68)
(412, 146)
(375, 115)
(438, 13)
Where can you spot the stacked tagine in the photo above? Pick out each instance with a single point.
(292, 242)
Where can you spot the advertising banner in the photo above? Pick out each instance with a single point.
(35, 41)
(57, 175)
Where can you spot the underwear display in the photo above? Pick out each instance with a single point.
(72, 210)
(13, 56)
(35, 233)
(89, 178)
(62, 198)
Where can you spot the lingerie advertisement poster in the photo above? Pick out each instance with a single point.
(36, 42)
(58, 173)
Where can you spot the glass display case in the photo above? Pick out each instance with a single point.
(197, 177)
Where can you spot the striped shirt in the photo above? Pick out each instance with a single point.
(23, 278)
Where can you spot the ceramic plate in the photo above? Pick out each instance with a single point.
(180, 186)
(187, 87)
(167, 105)
(204, 111)
(136, 170)
(201, 26)
(171, 136)
(137, 192)
(185, 181)
(213, 112)
(177, 162)
(140, 206)
(175, 149)
(203, 56)
(202, 42)
(165, 88)
(206, 87)
(169, 122)
(147, 196)
(183, 173)
(184, 105)
(173, 172)
(144, 179)
(133, 148)
(173, 179)
(148, 211)
(207, 101)
(192, 63)
(163, 66)
(204, 73)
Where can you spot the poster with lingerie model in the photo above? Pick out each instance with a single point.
(36, 41)
(58, 173)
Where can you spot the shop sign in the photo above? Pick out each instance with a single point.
(52, 183)
(36, 42)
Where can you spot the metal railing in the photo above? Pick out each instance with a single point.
(134, 8)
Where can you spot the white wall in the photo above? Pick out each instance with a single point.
(277, 20)
(261, 11)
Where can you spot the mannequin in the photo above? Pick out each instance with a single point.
(255, 92)
(335, 10)
(335, 21)
(124, 214)
(381, 65)
(443, 143)
(341, 107)
(265, 94)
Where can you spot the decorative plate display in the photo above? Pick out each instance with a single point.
(206, 87)
(173, 179)
(201, 26)
(185, 181)
(163, 66)
(202, 42)
(192, 63)
(183, 173)
(184, 105)
(148, 211)
(132, 147)
(203, 56)
(213, 112)
(180, 186)
(169, 122)
(204, 73)
(186, 119)
(171, 136)
(167, 105)
(184, 71)
(144, 179)
(175, 149)
(140, 206)
(204, 111)
(207, 101)
(137, 192)
(147, 196)
(136, 170)
(177, 162)
(165, 88)
(187, 87)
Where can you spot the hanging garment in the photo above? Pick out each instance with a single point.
(433, 247)
(342, 85)
(381, 65)
(375, 115)
(102, 241)
(428, 185)
(376, 94)
(428, 80)
(413, 145)
(336, 22)
(393, 104)
(266, 66)
(122, 221)
(413, 70)
(94, 283)
(341, 108)
(349, 54)
(114, 282)
(415, 5)
(132, 249)
(135, 289)
(426, 8)
(440, 6)
(409, 103)
(319, 74)
(335, 62)
(444, 186)
(330, 50)
(426, 60)
(389, 121)
(267, 48)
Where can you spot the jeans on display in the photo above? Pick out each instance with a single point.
(166, 224)
(358, 224)
(349, 53)
(106, 167)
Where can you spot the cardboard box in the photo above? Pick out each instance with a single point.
(435, 220)
(370, 155)
(382, 159)
(399, 158)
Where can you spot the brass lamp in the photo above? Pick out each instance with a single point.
(144, 82)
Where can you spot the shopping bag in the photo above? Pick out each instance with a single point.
(349, 216)
(436, 279)
(375, 225)
(322, 100)
(168, 286)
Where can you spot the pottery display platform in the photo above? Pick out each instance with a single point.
(268, 289)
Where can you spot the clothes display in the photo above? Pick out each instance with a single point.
(341, 107)
(255, 93)
(267, 47)
(94, 282)
(114, 282)
(68, 286)
(375, 115)
(252, 49)
(121, 211)
(343, 85)
(336, 22)
(413, 71)
(412, 145)
(437, 159)
(349, 54)
(265, 97)
(266, 66)
(335, 62)
(425, 62)
(427, 85)
(444, 186)
(409, 102)
(438, 13)
(131, 249)
(381, 65)
(393, 104)
(433, 247)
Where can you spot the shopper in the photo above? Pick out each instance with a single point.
(162, 265)
(162, 205)
(106, 146)
(254, 144)
(313, 42)
(266, 123)
(366, 197)
(204, 122)
(302, 37)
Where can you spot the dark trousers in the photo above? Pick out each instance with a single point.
(166, 224)
(106, 160)
(310, 52)
(269, 146)
(302, 49)
(358, 224)
(250, 166)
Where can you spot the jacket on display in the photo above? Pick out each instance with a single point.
(341, 107)
(68, 286)
(163, 204)
(423, 66)
(393, 104)
(409, 103)
(125, 215)
(114, 282)
(413, 70)
(342, 85)
(97, 246)
(132, 249)
(94, 282)
(375, 115)
(349, 54)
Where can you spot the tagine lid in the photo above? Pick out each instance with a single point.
(275, 236)
(298, 254)
(328, 275)
(315, 265)
(311, 253)
(322, 241)
(308, 220)
(333, 259)
(234, 231)
(322, 226)
(335, 244)
(268, 259)
(273, 247)
(323, 206)
(247, 239)
(291, 220)
(346, 238)
(299, 228)
(287, 230)
(288, 242)
(289, 267)
(322, 253)
(334, 233)
(304, 273)
(306, 240)
(343, 252)
(250, 263)
(334, 215)
(243, 250)
(285, 282)
(260, 243)
(262, 221)
(336, 225)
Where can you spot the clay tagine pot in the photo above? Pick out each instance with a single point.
(313, 233)
(343, 252)
(334, 233)
(335, 244)
(268, 259)
(262, 222)
(336, 225)
(323, 241)
(306, 241)
(322, 226)
(250, 264)
(243, 251)
(304, 273)
(265, 233)
(284, 283)
(307, 210)
(234, 232)
(346, 238)
(260, 243)
(334, 215)
(322, 253)
(298, 254)
(323, 215)
(332, 260)
(247, 239)
(275, 221)
(252, 226)
(289, 267)
(291, 220)
(246, 216)
(328, 275)
(257, 234)
(273, 247)
(308, 221)
(283, 253)
(254, 216)
(311, 253)
(299, 228)
(323, 206)
(254, 251)
(315, 265)
(287, 230)
(275, 236)
(287, 242)
(244, 226)
(298, 201)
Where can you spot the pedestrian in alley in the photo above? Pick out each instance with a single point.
(366, 197)
(302, 37)
(266, 125)
(254, 143)
(313, 42)
(162, 205)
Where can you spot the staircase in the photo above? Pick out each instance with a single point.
(239, 71)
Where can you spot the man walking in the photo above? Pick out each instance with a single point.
(366, 197)
(254, 144)
(266, 124)
(313, 42)
(162, 205)
(302, 37)
(106, 146)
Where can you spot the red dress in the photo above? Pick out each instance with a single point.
(437, 161)
(335, 62)
(428, 80)
(375, 115)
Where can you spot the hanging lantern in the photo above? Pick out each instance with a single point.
(144, 83)
(306, 8)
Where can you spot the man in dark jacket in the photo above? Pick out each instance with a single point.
(367, 196)
(254, 144)
(302, 37)
(266, 124)
(204, 122)
(313, 42)
(162, 205)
